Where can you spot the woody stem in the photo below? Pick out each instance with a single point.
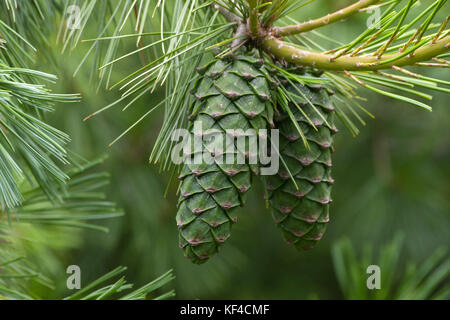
(285, 51)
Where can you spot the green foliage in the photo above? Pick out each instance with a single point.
(30, 149)
(29, 146)
(179, 32)
(429, 280)
(170, 38)
(15, 275)
(38, 199)
(112, 291)
(39, 229)
(31, 233)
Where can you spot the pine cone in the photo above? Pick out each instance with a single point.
(233, 93)
(302, 213)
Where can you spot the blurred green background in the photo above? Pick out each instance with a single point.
(392, 179)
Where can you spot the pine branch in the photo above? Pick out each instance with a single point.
(33, 231)
(112, 291)
(323, 21)
(187, 32)
(290, 53)
(29, 148)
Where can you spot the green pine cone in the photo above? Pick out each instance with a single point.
(302, 213)
(233, 93)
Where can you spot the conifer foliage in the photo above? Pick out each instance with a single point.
(229, 64)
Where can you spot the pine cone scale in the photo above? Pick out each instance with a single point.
(300, 193)
(232, 97)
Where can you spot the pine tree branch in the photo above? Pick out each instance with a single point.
(323, 61)
(323, 21)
